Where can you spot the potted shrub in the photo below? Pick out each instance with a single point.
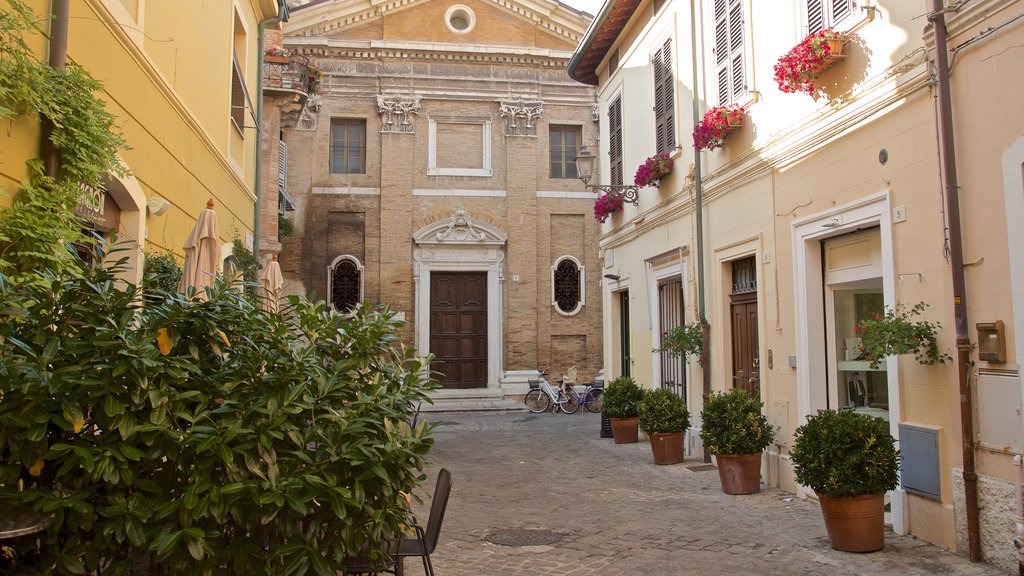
(620, 405)
(734, 429)
(653, 170)
(684, 340)
(797, 69)
(663, 416)
(896, 332)
(716, 124)
(850, 460)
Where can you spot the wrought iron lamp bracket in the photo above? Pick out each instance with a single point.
(629, 193)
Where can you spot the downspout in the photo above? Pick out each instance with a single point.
(963, 341)
(699, 213)
(282, 13)
(58, 59)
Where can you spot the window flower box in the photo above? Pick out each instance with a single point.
(653, 170)
(717, 123)
(797, 69)
(277, 55)
(607, 205)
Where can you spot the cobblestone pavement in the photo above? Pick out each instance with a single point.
(617, 513)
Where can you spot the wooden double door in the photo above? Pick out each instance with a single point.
(458, 328)
(746, 364)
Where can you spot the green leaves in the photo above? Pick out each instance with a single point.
(732, 423)
(896, 332)
(621, 397)
(661, 411)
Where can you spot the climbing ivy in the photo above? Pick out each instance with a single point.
(40, 224)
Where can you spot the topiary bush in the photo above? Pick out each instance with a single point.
(621, 397)
(661, 412)
(843, 453)
(199, 436)
(732, 423)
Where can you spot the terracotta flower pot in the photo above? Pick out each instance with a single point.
(855, 524)
(667, 448)
(276, 59)
(740, 473)
(624, 430)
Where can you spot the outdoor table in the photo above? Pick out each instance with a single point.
(18, 521)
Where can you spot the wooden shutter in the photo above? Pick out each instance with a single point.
(840, 10)
(823, 14)
(815, 16)
(729, 60)
(664, 98)
(615, 140)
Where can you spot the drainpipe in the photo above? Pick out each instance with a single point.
(699, 213)
(963, 340)
(58, 59)
(282, 14)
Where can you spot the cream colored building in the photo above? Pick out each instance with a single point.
(814, 214)
(181, 80)
(433, 172)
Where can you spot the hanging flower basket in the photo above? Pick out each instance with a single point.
(717, 123)
(313, 76)
(607, 205)
(797, 69)
(653, 170)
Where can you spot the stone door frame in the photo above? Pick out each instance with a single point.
(461, 243)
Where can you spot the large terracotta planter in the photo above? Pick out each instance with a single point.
(855, 524)
(667, 448)
(624, 430)
(740, 473)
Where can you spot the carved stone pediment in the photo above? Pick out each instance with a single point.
(460, 228)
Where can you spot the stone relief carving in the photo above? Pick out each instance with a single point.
(595, 112)
(396, 113)
(310, 113)
(460, 229)
(519, 116)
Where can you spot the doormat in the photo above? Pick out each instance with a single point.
(702, 468)
(523, 537)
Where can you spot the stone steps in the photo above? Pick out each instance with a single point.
(473, 400)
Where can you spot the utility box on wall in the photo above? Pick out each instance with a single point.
(919, 449)
(991, 342)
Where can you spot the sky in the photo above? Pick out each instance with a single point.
(589, 6)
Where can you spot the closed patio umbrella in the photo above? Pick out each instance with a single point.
(271, 282)
(202, 253)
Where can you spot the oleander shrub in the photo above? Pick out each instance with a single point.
(202, 437)
(621, 398)
(661, 412)
(732, 423)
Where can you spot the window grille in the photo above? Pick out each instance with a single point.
(670, 315)
(567, 285)
(744, 276)
(346, 285)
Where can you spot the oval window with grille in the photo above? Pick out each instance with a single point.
(567, 285)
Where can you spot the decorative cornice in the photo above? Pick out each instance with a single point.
(519, 116)
(400, 50)
(395, 113)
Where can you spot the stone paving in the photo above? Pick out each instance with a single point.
(618, 513)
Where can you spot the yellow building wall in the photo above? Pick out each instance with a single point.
(167, 79)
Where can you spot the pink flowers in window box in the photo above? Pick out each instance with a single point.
(717, 123)
(797, 69)
(653, 170)
(607, 205)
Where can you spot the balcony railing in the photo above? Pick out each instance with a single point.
(290, 74)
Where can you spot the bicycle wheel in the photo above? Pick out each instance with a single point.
(571, 403)
(593, 400)
(537, 401)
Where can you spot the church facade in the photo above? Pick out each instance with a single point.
(433, 172)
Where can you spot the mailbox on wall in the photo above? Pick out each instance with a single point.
(991, 342)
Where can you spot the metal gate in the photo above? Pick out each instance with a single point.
(670, 315)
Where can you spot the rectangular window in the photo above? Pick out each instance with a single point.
(823, 14)
(729, 56)
(664, 98)
(615, 140)
(348, 146)
(564, 142)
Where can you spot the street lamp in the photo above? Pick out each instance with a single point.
(585, 169)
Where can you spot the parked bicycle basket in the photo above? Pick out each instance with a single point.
(534, 384)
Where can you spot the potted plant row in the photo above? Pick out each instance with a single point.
(620, 406)
(663, 416)
(797, 69)
(653, 170)
(850, 461)
(735, 431)
(716, 124)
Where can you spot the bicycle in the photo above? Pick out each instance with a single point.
(542, 395)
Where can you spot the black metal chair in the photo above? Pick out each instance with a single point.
(424, 542)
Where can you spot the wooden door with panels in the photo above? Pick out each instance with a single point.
(458, 328)
(746, 363)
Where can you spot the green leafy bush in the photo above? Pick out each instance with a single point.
(285, 227)
(843, 453)
(684, 340)
(661, 411)
(732, 423)
(161, 272)
(204, 437)
(621, 397)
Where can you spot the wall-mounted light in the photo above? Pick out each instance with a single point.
(615, 277)
(157, 206)
(585, 170)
